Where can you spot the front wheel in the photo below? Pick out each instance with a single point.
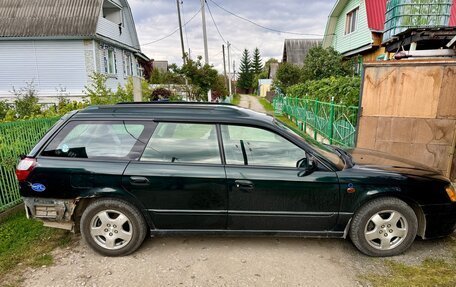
(113, 227)
(384, 227)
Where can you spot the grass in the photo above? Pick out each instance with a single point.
(236, 99)
(26, 243)
(266, 105)
(431, 272)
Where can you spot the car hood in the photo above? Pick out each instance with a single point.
(363, 158)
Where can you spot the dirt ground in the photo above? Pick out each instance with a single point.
(223, 261)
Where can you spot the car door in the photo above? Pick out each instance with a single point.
(266, 189)
(180, 178)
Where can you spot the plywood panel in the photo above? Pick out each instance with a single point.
(402, 91)
(367, 132)
(447, 103)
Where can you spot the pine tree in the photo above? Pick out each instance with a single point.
(257, 65)
(245, 72)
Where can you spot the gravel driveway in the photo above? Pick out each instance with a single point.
(222, 261)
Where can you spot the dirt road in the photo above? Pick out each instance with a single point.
(252, 103)
(221, 261)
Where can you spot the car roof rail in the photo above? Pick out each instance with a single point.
(173, 103)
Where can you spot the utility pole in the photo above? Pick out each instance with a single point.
(203, 15)
(234, 75)
(224, 64)
(180, 28)
(206, 53)
(229, 70)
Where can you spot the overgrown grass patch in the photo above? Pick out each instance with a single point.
(266, 105)
(431, 272)
(24, 243)
(236, 99)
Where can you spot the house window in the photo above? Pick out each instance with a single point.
(112, 12)
(109, 61)
(128, 64)
(351, 21)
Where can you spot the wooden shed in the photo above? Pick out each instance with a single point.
(408, 109)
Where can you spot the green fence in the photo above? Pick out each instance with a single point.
(17, 138)
(333, 122)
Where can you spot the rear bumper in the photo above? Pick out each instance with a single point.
(53, 212)
(440, 220)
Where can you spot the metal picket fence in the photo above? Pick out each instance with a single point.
(330, 121)
(17, 138)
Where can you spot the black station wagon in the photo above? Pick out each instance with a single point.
(119, 173)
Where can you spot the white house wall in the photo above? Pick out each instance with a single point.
(49, 64)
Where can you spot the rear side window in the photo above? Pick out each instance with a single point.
(183, 143)
(97, 140)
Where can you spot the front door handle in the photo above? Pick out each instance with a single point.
(139, 180)
(244, 184)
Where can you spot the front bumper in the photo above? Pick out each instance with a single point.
(53, 212)
(440, 220)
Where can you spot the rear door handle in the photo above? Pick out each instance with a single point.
(244, 184)
(139, 180)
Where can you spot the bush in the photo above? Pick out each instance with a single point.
(160, 94)
(345, 90)
(287, 75)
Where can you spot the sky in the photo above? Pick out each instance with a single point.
(156, 19)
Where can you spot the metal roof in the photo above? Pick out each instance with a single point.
(453, 15)
(46, 18)
(295, 50)
(376, 14)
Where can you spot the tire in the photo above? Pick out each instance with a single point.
(113, 227)
(384, 227)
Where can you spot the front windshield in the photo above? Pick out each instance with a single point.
(325, 151)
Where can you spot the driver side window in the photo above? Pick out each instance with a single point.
(258, 147)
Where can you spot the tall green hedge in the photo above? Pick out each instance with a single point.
(345, 90)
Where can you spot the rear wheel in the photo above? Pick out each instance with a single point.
(384, 227)
(113, 227)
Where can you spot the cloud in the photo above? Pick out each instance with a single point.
(156, 19)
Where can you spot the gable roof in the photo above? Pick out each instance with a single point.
(295, 50)
(46, 18)
(375, 10)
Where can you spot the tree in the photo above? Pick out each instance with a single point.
(287, 75)
(245, 72)
(257, 65)
(323, 63)
(202, 79)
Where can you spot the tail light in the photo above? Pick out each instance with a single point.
(24, 168)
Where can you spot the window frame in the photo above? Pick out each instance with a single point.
(307, 152)
(351, 22)
(138, 147)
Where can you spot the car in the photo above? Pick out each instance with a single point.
(119, 173)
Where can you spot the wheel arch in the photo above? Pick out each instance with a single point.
(92, 195)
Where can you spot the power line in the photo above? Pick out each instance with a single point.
(261, 26)
(174, 32)
(215, 24)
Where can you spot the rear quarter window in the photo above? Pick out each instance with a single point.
(85, 139)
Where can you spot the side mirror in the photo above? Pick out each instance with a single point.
(306, 166)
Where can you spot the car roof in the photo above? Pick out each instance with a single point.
(176, 111)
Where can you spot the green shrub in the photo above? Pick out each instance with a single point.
(345, 90)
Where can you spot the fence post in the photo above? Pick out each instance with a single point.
(331, 121)
(305, 116)
(315, 116)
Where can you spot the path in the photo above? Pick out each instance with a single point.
(251, 102)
